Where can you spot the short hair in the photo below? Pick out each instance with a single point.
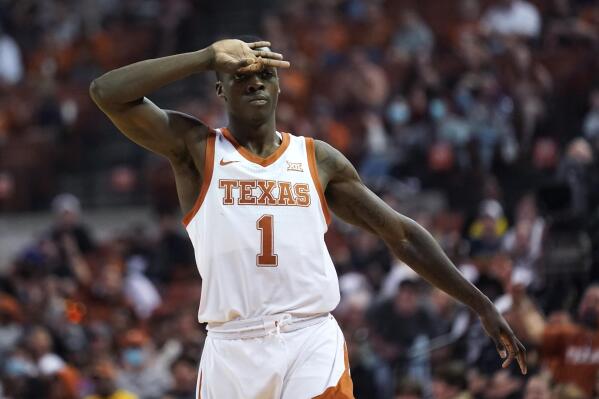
(184, 359)
(244, 38)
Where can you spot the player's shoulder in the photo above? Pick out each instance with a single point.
(325, 152)
(332, 161)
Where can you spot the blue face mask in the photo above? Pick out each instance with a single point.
(398, 112)
(134, 356)
(17, 367)
(437, 109)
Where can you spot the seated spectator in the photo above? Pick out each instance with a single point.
(397, 322)
(449, 382)
(468, 26)
(487, 230)
(143, 370)
(503, 385)
(576, 171)
(185, 375)
(412, 36)
(103, 374)
(523, 241)
(537, 387)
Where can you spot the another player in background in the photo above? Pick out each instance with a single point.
(257, 207)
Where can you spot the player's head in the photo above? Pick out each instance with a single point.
(250, 97)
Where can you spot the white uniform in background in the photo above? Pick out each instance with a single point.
(268, 282)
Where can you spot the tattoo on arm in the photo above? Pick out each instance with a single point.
(353, 202)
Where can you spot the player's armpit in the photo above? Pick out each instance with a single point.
(149, 126)
(350, 199)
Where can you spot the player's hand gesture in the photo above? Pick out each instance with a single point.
(235, 56)
(507, 344)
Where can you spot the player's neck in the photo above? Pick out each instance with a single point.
(260, 139)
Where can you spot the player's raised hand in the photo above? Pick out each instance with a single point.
(236, 56)
(507, 344)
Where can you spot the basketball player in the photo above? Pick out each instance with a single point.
(257, 206)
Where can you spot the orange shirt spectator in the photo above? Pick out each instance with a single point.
(572, 353)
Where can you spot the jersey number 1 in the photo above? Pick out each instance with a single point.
(266, 257)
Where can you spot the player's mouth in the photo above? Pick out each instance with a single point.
(258, 100)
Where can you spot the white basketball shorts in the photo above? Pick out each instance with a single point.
(275, 357)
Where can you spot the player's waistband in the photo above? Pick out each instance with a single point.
(263, 326)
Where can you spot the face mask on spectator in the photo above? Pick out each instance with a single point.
(18, 367)
(134, 356)
(398, 112)
(436, 109)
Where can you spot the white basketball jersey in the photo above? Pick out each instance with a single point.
(257, 229)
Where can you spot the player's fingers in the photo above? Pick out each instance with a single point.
(245, 62)
(268, 54)
(509, 345)
(521, 357)
(275, 63)
(256, 66)
(258, 44)
(499, 347)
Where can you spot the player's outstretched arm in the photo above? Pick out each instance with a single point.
(353, 202)
(121, 93)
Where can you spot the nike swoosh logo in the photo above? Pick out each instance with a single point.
(223, 162)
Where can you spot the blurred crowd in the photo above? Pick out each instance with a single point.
(477, 118)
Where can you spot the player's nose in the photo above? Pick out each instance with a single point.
(254, 84)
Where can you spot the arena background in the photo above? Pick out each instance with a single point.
(477, 118)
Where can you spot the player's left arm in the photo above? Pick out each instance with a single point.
(354, 203)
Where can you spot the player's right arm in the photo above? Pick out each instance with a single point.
(121, 95)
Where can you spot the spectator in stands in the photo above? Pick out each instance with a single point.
(10, 323)
(503, 386)
(570, 350)
(537, 387)
(575, 170)
(39, 344)
(11, 65)
(513, 17)
(449, 382)
(397, 322)
(524, 241)
(103, 374)
(185, 374)
(468, 27)
(413, 36)
(139, 290)
(143, 371)
(70, 236)
(529, 84)
(488, 229)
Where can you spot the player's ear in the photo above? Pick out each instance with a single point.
(219, 90)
